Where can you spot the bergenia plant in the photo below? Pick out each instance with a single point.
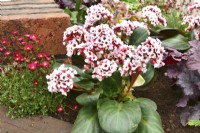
(114, 57)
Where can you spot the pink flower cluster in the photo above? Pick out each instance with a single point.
(150, 51)
(194, 24)
(105, 48)
(194, 6)
(97, 13)
(73, 37)
(104, 68)
(127, 27)
(153, 15)
(61, 79)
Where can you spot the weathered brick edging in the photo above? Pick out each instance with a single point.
(48, 25)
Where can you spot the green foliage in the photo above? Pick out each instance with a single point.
(150, 123)
(149, 75)
(194, 123)
(87, 121)
(133, 4)
(110, 116)
(111, 86)
(138, 36)
(117, 117)
(78, 15)
(178, 42)
(23, 98)
(146, 103)
(87, 99)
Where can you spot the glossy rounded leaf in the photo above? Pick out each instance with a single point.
(150, 123)
(111, 86)
(146, 103)
(87, 121)
(117, 117)
(86, 99)
(170, 32)
(149, 75)
(138, 36)
(178, 42)
(86, 84)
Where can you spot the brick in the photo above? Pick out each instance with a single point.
(46, 20)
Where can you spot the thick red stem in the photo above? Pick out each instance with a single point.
(133, 79)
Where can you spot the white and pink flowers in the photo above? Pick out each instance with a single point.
(127, 27)
(61, 79)
(196, 5)
(97, 13)
(105, 48)
(104, 69)
(193, 21)
(150, 51)
(153, 15)
(194, 25)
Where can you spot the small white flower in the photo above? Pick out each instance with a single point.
(61, 80)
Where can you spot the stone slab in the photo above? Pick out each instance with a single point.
(37, 124)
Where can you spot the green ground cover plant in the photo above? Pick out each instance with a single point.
(23, 67)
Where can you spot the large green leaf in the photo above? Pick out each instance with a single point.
(150, 123)
(86, 84)
(78, 5)
(67, 11)
(170, 32)
(149, 75)
(86, 99)
(112, 85)
(138, 36)
(87, 121)
(146, 103)
(178, 42)
(117, 117)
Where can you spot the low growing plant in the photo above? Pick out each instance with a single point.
(22, 77)
(114, 57)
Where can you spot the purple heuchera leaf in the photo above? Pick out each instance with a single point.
(183, 101)
(193, 62)
(172, 73)
(187, 80)
(71, 3)
(190, 113)
(176, 55)
(175, 70)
